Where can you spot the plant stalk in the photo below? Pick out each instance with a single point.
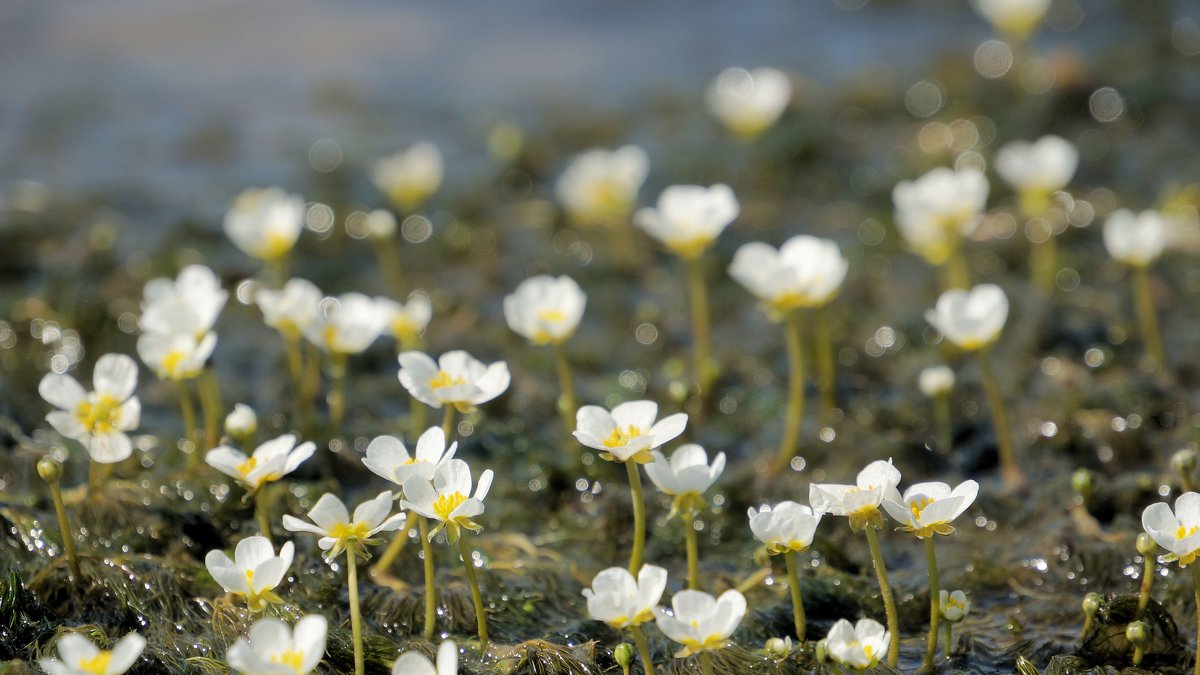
(889, 602)
(355, 613)
(639, 516)
(793, 332)
(480, 615)
(693, 551)
(1147, 317)
(1013, 476)
(639, 639)
(789, 558)
(64, 529)
(566, 383)
(701, 337)
(188, 409)
(430, 578)
(935, 610)
(826, 369)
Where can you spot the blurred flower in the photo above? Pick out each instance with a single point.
(1015, 18)
(686, 476)
(348, 325)
(406, 321)
(928, 508)
(601, 186)
(629, 431)
(859, 502)
(689, 218)
(749, 102)
(544, 309)
(292, 309)
(804, 272)
(265, 223)
(176, 356)
(970, 319)
(339, 531)
(412, 663)
(190, 303)
(275, 649)
(955, 606)
(785, 527)
(619, 601)
(410, 177)
(389, 459)
(253, 572)
(447, 499)
(936, 210)
(860, 645)
(242, 423)
(1037, 170)
(1135, 239)
(97, 419)
(936, 381)
(700, 622)
(456, 379)
(270, 462)
(381, 224)
(78, 656)
(1178, 531)
(779, 648)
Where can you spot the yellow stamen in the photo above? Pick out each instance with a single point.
(275, 246)
(1185, 532)
(247, 466)
(444, 379)
(347, 532)
(620, 438)
(445, 504)
(97, 665)
(291, 659)
(101, 416)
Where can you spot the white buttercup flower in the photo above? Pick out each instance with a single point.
(686, 476)
(689, 218)
(241, 423)
(859, 502)
(629, 431)
(545, 309)
(1135, 239)
(381, 224)
(269, 462)
(859, 646)
(292, 309)
(1177, 531)
(804, 272)
(253, 572)
(275, 649)
(407, 321)
(347, 324)
(936, 381)
(412, 663)
(749, 102)
(927, 509)
(448, 498)
(265, 223)
(601, 186)
(388, 458)
(700, 622)
(936, 210)
(339, 531)
(456, 379)
(620, 601)
(970, 319)
(100, 418)
(1017, 18)
(190, 303)
(409, 177)
(954, 606)
(176, 356)
(785, 527)
(78, 656)
(1037, 170)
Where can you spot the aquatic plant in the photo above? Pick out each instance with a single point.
(78, 656)
(409, 177)
(265, 224)
(686, 477)
(412, 663)
(1036, 171)
(701, 623)
(268, 463)
(936, 212)
(1138, 240)
(786, 529)
(622, 602)
(748, 102)
(455, 382)
(241, 424)
(273, 647)
(253, 572)
(860, 645)
(954, 606)
(600, 187)
(936, 382)
(344, 326)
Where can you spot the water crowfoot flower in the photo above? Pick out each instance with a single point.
(1178, 531)
(935, 212)
(1036, 171)
(600, 187)
(1138, 240)
(275, 649)
(547, 310)
(410, 177)
(701, 623)
(937, 382)
(265, 224)
(291, 311)
(787, 528)
(622, 602)
(78, 656)
(269, 462)
(412, 663)
(345, 325)
(253, 572)
(859, 645)
(1016, 19)
(406, 321)
(954, 607)
(749, 102)
(686, 476)
(456, 381)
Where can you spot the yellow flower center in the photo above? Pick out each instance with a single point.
(274, 246)
(869, 650)
(552, 315)
(1185, 532)
(347, 532)
(291, 659)
(445, 504)
(97, 665)
(403, 329)
(247, 466)
(689, 249)
(918, 506)
(101, 416)
(444, 379)
(170, 363)
(330, 335)
(619, 438)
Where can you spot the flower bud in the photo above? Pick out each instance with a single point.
(1137, 633)
(1083, 481)
(242, 423)
(1146, 545)
(624, 655)
(1091, 604)
(822, 651)
(1184, 462)
(779, 648)
(50, 470)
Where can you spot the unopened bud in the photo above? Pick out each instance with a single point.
(242, 423)
(779, 648)
(1083, 481)
(1091, 604)
(624, 655)
(50, 470)
(822, 651)
(1137, 633)
(1146, 545)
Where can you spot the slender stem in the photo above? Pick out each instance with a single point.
(64, 529)
(189, 424)
(260, 511)
(956, 275)
(448, 422)
(295, 364)
(1138, 653)
(793, 333)
(1147, 317)
(626, 251)
(308, 389)
(388, 255)
(1196, 590)
(1008, 461)
(825, 365)
(789, 558)
(480, 614)
(639, 516)
(693, 551)
(430, 578)
(417, 416)
(702, 341)
(1147, 586)
(706, 663)
(935, 610)
(1043, 264)
(210, 403)
(889, 602)
(277, 270)
(639, 639)
(566, 401)
(941, 415)
(355, 614)
(946, 647)
(96, 475)
(337, 393)
(384, 564)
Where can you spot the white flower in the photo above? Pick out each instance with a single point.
(970, 319)
(190, 303)
(859, 502)
(347, 324)
(406, 322)
(936, 381)
(601, 186)
(804, 272)
(292, 309)
(954, 606)
(620, 601)
(686, 476)
(928, 508)
(275, 649)
(689, 217)
(456, 379)
(99, 419)
(254, 571)
(749, 102)
(1016, 18)
(544, 309)
(860, 645)
(785, 527)
(410, 177)
(78, 656)
(629, 431)
(1037, 170)
(1135, 239)
(241, 423)
(176, 356)
(936, 210)
(701, 622)
(265, 223)
(389, 459)
(270, 462)
(381, 224)
(448, 499)
(1178, 531)
(412, 663)
(339, 531)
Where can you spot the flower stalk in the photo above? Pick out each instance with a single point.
(1013, 476)
(935, 610)
(476, 596)
(706, 666)
(701, 337)
(388, 256)
(355, 613)
(210, 404)
(954, 271)
(260, 512)
(793, 331)
(693, 550)
(188, 410)
(430, 576)
(639, 639)
(885, 590)
(1043, 263)
(448, 422)
(1147, 547)
(566, 382)
(789, 558)
(826, 368)
(337, 393)
(639, 515)
(1147, 317)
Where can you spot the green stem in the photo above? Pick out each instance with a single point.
(566, 401)
(639, 639)
(189, 424)
(941, 415)
(702, 340)
(417, 417)
(295, 364)
(706, 663)
(956, 275)
(639, 516)
(448, 422)
(1138, 653)
(1147, 586)
(825, 365)
(1196, 590)
(383, 565)
(97, 472)
(277, 270)
(1008, 461)
(693, 551)
(64, 529)
(946, 647)
(337, 393)
(793, 333)
(789, 558)
(388, 255)
(889, 602)
(1043, 264)
(355, 614)
(1147, 317)
(260, 511)
(210, 403)
(480, 614)
(430, 578)
(935, 610)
